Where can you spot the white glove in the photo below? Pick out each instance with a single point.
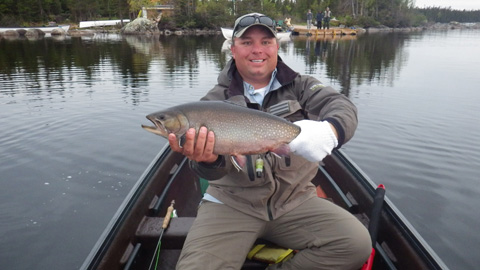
(315, 141)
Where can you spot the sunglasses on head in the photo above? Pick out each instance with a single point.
(249, 20)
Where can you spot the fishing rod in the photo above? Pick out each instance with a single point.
(166, 221)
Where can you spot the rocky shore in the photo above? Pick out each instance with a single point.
(432, 26)
(32, 33)
(148, 27)
(141, 26)
(144, 27)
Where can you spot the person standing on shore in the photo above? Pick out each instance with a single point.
(326, 20)
(319, 18)
(289, 25)
(309, 19)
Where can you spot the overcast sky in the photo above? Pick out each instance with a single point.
(454, 4)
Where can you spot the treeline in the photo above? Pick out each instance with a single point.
(25, 12)
(215, 13)
(446, 15)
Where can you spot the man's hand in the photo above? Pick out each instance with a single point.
(315, 141)
(199, 151)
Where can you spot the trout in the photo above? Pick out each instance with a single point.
(238, 130)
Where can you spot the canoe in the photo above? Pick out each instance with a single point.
(46, 29)
(228, 32)
(88, 24)
(130, 239)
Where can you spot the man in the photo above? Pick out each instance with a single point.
(309, 19)
(327, 15)
(319, 18)
(279, 205)
(288, 23)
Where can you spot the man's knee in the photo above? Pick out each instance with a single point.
(358, 247)
(352, 245)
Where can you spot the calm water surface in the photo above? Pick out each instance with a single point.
(72, 147)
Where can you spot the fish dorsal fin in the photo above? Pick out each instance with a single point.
(237, 100)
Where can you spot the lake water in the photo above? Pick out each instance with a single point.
(72, 147)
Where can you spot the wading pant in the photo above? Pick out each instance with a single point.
(327, 237)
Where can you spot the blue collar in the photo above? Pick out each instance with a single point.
(253, 96)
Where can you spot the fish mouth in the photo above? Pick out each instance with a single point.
(157, 128)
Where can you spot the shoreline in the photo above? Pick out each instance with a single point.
(166, 32)
(360, 30)
(432, 26)
(202, 32)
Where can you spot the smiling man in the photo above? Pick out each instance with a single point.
(275, 200)
(256, 55)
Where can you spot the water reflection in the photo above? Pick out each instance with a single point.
(71, 131)
(365, 58)
(321, 48)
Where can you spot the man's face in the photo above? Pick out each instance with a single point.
(255, 55)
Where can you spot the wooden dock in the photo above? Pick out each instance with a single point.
(302, 30)
(324, 37)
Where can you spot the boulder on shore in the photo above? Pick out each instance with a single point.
(140, 26)
(34, 33)
(58, 32)
(11, 33)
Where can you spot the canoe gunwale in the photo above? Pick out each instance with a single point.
(107, 237)
(391, 213)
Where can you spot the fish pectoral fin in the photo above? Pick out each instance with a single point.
(181, 140)
(281, 151)
(239, 162)
(277, 155)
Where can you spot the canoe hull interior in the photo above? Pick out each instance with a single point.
(130, 239)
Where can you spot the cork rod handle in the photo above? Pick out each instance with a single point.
(168, 216)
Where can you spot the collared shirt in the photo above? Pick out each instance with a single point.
(257, 95)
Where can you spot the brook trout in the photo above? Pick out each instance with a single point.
(238, 130)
